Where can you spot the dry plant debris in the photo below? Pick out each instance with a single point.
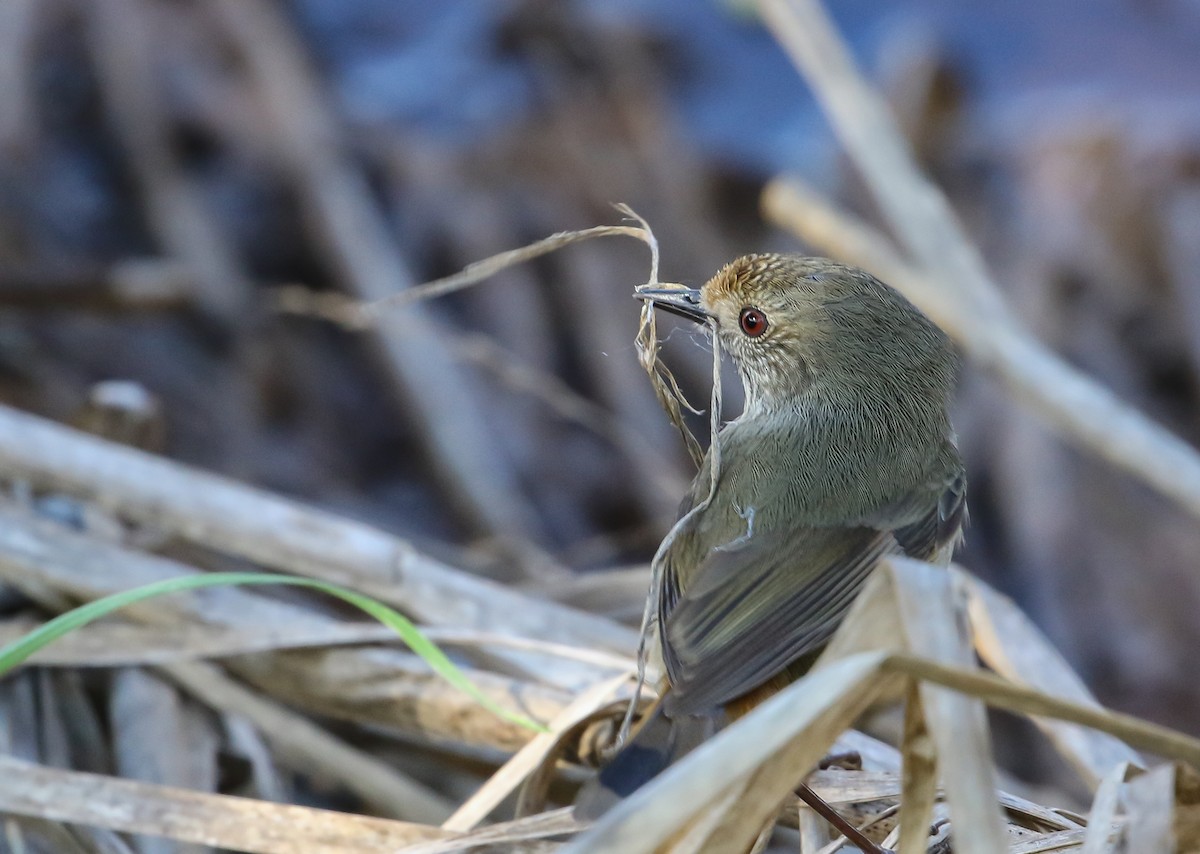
(914, 635)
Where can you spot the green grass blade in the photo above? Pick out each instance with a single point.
(19, 650)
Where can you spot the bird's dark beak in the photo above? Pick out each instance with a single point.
(682, 301)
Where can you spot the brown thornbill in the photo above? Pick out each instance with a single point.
(844, 454)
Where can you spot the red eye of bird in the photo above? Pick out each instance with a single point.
(753, 322)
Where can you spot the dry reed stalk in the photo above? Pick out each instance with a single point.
(1009, 643)
(907, 633)
(899, 614)
(526, 760)
(217, 820)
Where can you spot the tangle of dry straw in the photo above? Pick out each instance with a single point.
(357, 315)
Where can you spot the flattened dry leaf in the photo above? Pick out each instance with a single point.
(872, 624)
(1035, 816)
(1150, 804)
(1099, 837)
(854, 787)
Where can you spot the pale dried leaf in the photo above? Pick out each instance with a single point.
(1099, 836)
(1150, 809)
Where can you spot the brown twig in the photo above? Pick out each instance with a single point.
(852, 833)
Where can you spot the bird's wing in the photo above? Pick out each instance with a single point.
(933, 534)
(750, 611)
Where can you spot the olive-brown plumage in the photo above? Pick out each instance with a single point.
(843, 454)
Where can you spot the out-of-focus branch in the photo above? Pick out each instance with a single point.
(793, 205)
(949, 280)
(571, 406)
(175, 213)
(915, 208)
(18, 19)
(136, 284)
(347, 224)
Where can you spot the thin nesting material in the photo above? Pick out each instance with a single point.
(673, 402)
(353, 314)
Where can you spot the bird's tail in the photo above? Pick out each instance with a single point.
(658, 743)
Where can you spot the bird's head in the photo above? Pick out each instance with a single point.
(800, 328)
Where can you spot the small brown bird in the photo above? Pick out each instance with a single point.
(843, 454)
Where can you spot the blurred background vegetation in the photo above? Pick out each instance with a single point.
(166, 164)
